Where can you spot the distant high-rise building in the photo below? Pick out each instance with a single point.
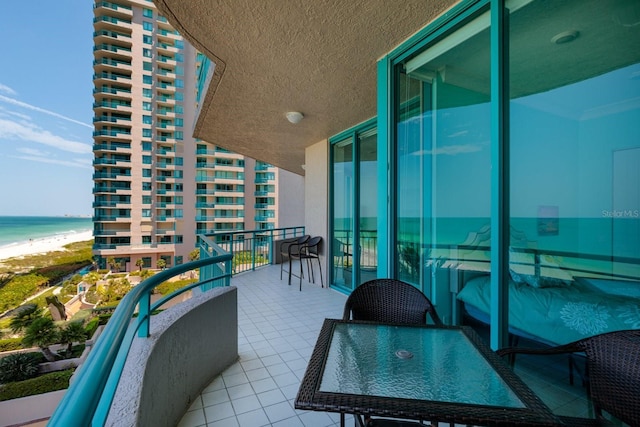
(155, 187)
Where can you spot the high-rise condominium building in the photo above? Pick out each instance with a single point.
(155, 187)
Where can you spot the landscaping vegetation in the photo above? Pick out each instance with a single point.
(26, 292)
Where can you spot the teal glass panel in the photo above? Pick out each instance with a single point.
(343, 213)
(443, 161)
(368, 205)
(575, 167)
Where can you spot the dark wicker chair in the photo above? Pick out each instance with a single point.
(288, 250)
(612, 372)
(307, 252)
(389, 301)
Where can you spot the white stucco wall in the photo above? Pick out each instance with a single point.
(316, 190)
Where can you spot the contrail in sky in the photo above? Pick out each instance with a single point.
(41, 110)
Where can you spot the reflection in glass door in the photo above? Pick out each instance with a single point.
(354, 248)
(343, 213)
(368, 205)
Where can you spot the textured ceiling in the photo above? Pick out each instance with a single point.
(273, 56)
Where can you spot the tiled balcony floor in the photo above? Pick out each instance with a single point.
(277, 329)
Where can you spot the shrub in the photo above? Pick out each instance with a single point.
(166, 288)
(42, 384)
(17, 367)
(19, 288)
(10, 344)
(92, 326)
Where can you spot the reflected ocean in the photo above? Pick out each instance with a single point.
(19, 229)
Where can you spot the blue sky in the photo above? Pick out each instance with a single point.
(46, 108)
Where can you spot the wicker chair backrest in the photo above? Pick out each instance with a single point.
(389, 301)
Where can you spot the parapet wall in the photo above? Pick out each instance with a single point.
(190, 344)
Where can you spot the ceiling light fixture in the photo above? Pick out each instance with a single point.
(565, 37)
(294, 116)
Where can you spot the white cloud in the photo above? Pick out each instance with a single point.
(40, 110)
(32, 151)
(29, 132)
(76, 163)
(7, 89)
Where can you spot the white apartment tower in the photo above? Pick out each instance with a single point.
(155, 187)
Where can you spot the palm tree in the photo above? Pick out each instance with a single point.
(25, 316)
(140, 263)
(194, 254)
(73, 332)
(42, 332)
(113, 264)
(161, 263)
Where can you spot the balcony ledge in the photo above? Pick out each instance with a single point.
(166, 372)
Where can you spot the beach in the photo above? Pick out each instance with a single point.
(43, 245)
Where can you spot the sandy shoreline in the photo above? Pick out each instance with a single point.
(46, 244)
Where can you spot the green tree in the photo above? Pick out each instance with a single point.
(92, 278)
(194, 254)
(114, 290)
(18, 367)
(73, 332)
(42, 332)
(161, 263)
(140, 263)
(25, 316)
(113, 264)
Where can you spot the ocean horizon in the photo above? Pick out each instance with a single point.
(19, 229)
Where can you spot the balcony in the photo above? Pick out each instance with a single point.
(277, 329)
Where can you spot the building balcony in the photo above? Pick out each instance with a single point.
(277, 327)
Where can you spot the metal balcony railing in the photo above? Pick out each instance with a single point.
(89, 397)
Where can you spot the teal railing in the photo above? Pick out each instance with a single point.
(91, 392)
(252, 248)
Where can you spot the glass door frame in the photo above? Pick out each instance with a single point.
(452, 21)
(354, 135)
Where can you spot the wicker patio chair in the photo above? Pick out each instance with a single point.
(288, 250)
(612, 372)
(307, 252)
(389, 301)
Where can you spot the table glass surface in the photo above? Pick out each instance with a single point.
(413, 363)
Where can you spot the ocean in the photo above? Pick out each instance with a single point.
(19, 229)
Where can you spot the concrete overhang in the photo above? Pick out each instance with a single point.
(273, 56)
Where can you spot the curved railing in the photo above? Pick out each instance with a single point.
(89, 397)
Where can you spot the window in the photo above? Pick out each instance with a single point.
(565, 193)
(146, 173)
(146, 186)
(146, 200)
(146, 160)
(179, 83)
(146, 106)
(147, 13)
(147, 53)
(147, 93)
(147, 39)
(147, 26)
(146, 133)
(146, 239)
(147, 66)
(146, 213)
(146, 120)
(146, 145)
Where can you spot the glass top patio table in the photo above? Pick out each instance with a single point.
(416, 372)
